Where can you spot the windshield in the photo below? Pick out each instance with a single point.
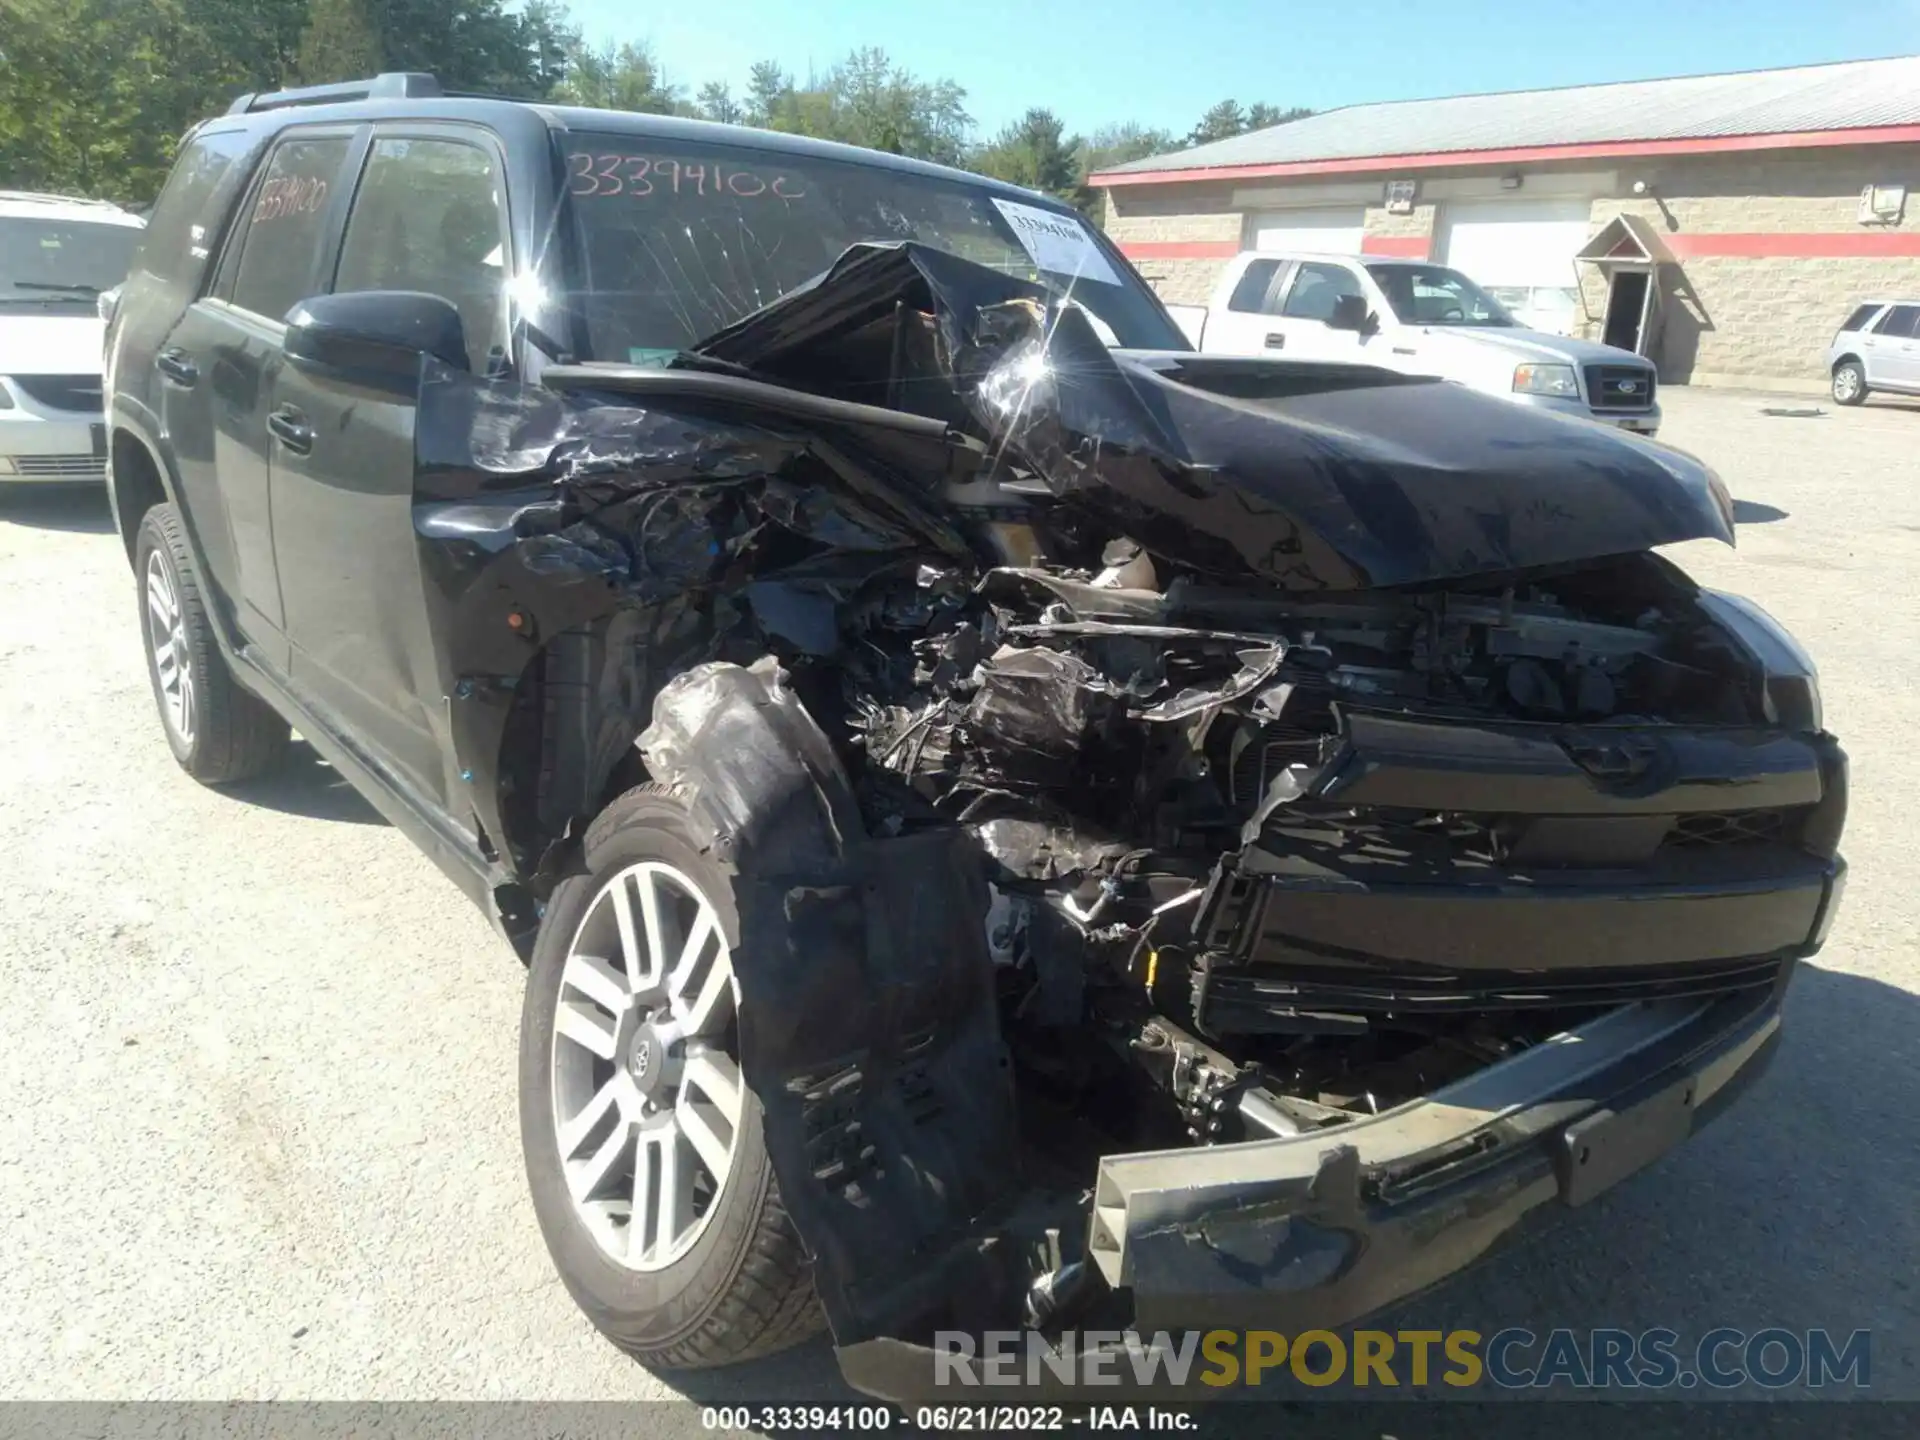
(62, 261)
(681, 240)
(1435, 295)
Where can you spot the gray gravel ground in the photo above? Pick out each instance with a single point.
(258, 1055)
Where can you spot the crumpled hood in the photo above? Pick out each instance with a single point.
(1312, 477)
(59, 344)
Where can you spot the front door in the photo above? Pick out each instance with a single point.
(1307, 306)
(429, 214)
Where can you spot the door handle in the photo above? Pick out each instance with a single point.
(177, 366)
(1276, 341)
(290, 428)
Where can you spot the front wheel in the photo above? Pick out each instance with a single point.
(643, 1144)
(1849, 382)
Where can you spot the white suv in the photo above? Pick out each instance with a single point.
(1877, 349)
(58, 256)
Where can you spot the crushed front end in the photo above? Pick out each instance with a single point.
(1355, 822)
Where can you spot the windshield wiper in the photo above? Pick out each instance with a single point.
(56, 288)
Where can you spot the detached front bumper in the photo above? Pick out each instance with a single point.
(1321, 1229)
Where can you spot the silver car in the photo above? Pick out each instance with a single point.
(1877, 349)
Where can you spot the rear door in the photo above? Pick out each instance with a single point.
(428, 214)
(1891, 349)
(1245, 324)
(217, 366)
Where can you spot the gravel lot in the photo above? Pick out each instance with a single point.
(260, 1133)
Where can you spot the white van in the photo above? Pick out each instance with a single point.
(58, 256)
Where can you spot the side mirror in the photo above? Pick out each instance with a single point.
(375, 336)
(1349, 313)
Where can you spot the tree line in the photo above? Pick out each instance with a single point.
(95, 94)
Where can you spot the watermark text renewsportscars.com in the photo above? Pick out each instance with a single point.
(1772, 1358)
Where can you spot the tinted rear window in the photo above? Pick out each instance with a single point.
(1858, 320)
(1898, 322)
(185, 222)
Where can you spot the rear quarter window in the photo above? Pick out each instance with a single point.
(1858, 320)
(186, 219)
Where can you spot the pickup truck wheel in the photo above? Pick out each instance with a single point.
(218, 732)
(649, 1176)
(1849, 383)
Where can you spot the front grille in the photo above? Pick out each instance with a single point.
(1255, 1001)
(78, 393)
(61, 467)
(1730, 827)
(1255, 764)
(1620, 387)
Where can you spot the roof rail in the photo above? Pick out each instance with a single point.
(395, 85)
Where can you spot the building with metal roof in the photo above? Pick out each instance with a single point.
(1763, 205)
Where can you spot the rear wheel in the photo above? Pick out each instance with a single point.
(218, 732)
(1849, 382)
(643, 1145)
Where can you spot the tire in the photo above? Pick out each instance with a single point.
(738, 1285)
(1849, 383)
(218, 732)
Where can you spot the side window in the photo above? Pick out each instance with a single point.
(1858, 320)
(1897, 323)
(287, 225)
(429, 216)
(1315, 287)
(180, 232)
(1249, 296)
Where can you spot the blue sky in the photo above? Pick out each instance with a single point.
(1094, 61)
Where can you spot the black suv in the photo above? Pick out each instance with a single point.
(986, 794)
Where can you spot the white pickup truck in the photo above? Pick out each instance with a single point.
(1421, 319)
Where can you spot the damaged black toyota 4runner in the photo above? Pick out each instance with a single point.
(1011, 821)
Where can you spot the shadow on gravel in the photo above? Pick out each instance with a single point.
(306, 785)
(1752, 512)
(1793, 1209)
(81, 509)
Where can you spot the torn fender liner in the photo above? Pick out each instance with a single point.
(1312, 477)
(867, 1024)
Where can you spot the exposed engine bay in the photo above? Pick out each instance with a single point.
(1191, 751)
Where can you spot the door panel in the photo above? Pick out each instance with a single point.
(1304, 305)
(1245, 324)
(1891, 349)
(342, 479)
(214, 369)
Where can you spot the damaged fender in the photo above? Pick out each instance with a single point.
(867, 1023)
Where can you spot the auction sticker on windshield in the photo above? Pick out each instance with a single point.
(1058, 243)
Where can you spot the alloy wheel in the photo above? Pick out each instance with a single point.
(167, 638)
(647, 1092)
(1846, 383)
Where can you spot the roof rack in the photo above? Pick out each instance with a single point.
(395, 85)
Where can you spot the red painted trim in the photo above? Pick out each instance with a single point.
(1525, 154)
(1179, 249)
(1400, 247)
(1817, 245)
